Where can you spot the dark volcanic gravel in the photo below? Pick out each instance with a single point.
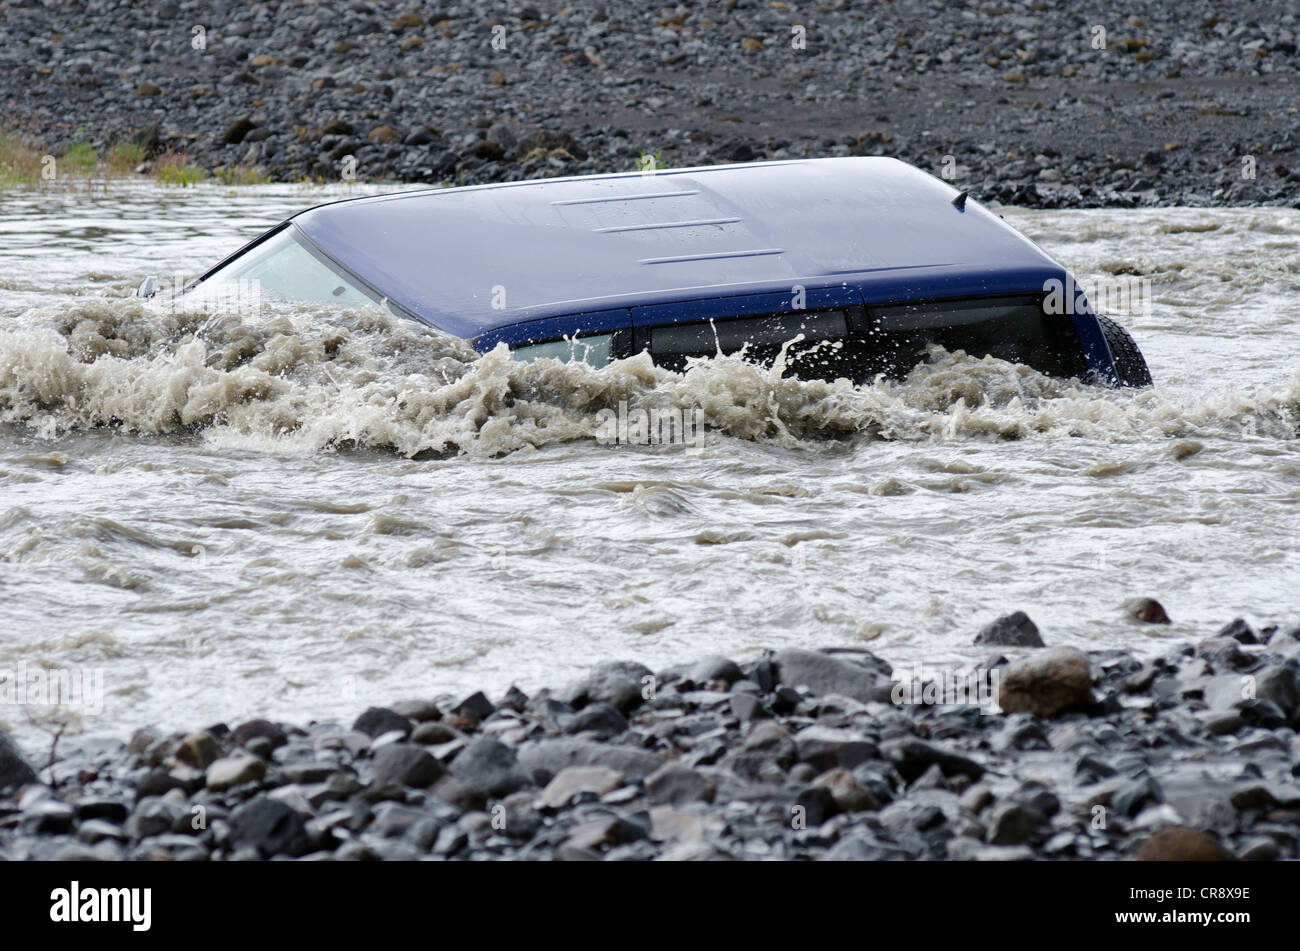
(1188, 103)
(798, 755)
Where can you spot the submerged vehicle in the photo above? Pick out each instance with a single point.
(841, 267)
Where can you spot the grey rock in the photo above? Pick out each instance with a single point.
(575, 780)
(826, 747)
(234, 771)
(621, 684)
(1239, 630)
(1010, 630)
(491, 766)
(773, 741)
(715, 668)
(912, 757)
(268, 826)
(408, 764)
(476, 707)
(1224, 653)
(1131, 798)
(376, 721)
(546, 758)
(15, 770)
(600, 720)
(1012, 823)
(245, 733)
(864, 678)
(676, 785)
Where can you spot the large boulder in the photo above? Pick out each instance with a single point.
(1181, 844)
(1045, 684)
(491, 766)
(859, 676)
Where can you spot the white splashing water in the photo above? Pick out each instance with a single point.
(307, 512)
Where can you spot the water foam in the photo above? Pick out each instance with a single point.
(304, 379)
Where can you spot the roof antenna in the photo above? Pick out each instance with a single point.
(960, 202)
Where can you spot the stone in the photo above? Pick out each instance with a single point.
(912, 757)
(47, 817)
(1239, 630)
(1013, 823)
(199, 750)
(247, 732)
(463, 796)
(421, 711)
(1222, 652)
(96, 830)
(865, 680)
(434, 733)
(676, 785)
(408, 764)
(849, 794)
(546, 758)
(1181, 844)
(1047, 683)
(1146, 610)
(112, 810)
(746, 707)
(1010, 630)
(491, 766)
(269, 826)
(813, 806)
(476, 707)
(376, 721)
(406, 21)
(715, 668)
(770, 738)
(621, 684)
(1281, 686)
(600, 720)
(574, 780)
(15, 770)
(237, 130)
(824, 747)
(234, 771)
(1260, 849)
(154, 815)
(673, 825)
(600, 833)
(1131, 798)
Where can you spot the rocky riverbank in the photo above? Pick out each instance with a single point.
(798, 755)
(1188, 103)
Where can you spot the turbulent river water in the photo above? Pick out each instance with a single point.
(299, 514)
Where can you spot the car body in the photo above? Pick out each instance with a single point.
(844, 267)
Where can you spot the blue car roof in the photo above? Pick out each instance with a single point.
(477, 259)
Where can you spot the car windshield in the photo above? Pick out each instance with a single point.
(285, 267)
